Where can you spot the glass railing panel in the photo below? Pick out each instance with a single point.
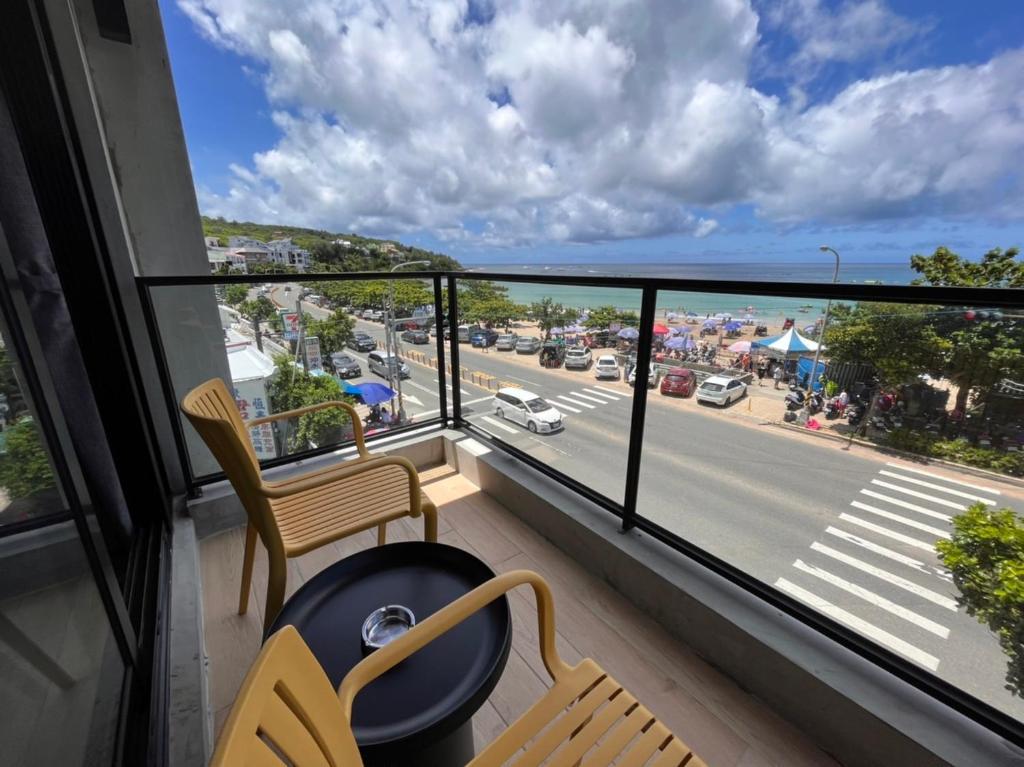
(839, 485)
(544, 368)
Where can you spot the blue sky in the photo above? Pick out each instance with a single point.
(530, 132)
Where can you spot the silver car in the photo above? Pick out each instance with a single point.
(528, 345)
(379, 362)
(507, 342)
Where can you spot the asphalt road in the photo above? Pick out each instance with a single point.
(850, 533)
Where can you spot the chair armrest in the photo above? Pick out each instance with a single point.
(304, 482)
(446, 619)
(357, 424)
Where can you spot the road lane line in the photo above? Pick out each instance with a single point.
(924, 546)
(940, 488)
(609, 391)
(907, 505)
(589, 398)
(602, 394)
(421, 387)
(435, 411)
(859, 625)
(945, 479)
(575, 402)
(875, 599)
(498, 424)
(448, 386)
(562, 405)
(932, 596)
(895, 556)
(922, 496)
(902, 520)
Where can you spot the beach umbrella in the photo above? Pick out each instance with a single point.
(660, 330)
(374, 393)
(680, 342)
(630, 334)
(691, 314)
(681, 331)
(575, 329)
(790, 342)
(733, 325)
(557, 331)
(671, 316)
(710, 324)
(740, 347)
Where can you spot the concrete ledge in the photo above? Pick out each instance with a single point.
(218, 508)
(851, 708)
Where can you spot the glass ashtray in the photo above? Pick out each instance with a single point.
(385, 624)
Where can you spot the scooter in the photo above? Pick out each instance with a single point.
(795, 399)
(815, 403)
(855, 413)
(834, 409)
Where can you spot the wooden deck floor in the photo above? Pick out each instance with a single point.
(724, 725)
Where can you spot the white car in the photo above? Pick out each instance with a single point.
(652, 376)
(577, 357)
(526, 408)
(606, 367)
(721, 390)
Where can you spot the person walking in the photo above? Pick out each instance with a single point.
(762, 369)
(777, 375)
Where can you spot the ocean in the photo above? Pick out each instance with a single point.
(756, 303)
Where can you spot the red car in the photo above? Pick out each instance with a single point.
(679, 381)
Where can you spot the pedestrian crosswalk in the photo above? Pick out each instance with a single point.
(874, 567)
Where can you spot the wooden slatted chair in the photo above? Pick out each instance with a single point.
(296, 515)
(286, 709)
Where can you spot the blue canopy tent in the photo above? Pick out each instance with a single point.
(680, 342)
(370, 393)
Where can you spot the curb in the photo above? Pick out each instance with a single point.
(915, 457)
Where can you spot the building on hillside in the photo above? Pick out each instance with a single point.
(221, 257)
(286, 252)
(282, 251)
(212, 242)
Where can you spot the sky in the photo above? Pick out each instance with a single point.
(577, 131)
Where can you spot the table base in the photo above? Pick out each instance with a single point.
(454, 750)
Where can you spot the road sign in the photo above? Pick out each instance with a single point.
(313, 359)
(290, 320)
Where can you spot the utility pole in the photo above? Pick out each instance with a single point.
(389, 331)
(256, 332)
(824, 324)
(302, 334)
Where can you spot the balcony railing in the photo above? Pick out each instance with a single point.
(687, 476)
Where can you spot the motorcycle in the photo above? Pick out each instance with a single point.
(815, 403)
(795, 399)
(834, 409)
(855, 413)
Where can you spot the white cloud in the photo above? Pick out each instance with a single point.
(590, 120)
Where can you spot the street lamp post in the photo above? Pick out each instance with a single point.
(824, 323)
(391, 344)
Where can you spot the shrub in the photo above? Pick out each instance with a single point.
(986, 558)
(958, 451)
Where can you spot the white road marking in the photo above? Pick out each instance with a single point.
(907, 505)
(940, 599)
(589, 398)
(499, 424)
(902, 520)
(887, 532)
(609, 391)
(933, 486)
(413, 399)
(602, 394)
(562, 406)
(895, 556)
(549, 446)
(875, 599)
(448, 386)
(922, 496)
(575, 402)
(421, 387)
(435, 411)
(857, 624)
(944, 479)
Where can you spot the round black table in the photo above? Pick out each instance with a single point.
(420, 711)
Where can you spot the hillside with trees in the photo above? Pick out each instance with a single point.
(331, 251)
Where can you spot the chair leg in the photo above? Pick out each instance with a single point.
(247, 562)
(429, 522)
(277, 577)
(382, 533)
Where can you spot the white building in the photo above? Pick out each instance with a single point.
(287, 252)
(250, 371)
(282, 251)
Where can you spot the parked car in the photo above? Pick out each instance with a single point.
(606, 367)
(465, 332)
(484, 337)
(416, 337)
(366, 314)
(578, 358)
(526, 408)
(506, 342)
(652, 376)
(344, 366)
(552, 354)
(681, 381)
(721, 390)
(362, 342)
(376, 315)
(527, 345)
(379, 363)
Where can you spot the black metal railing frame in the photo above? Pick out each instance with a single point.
(958, 699)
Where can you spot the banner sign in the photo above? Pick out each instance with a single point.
(251, 398)
(290, 320)
(313, 358)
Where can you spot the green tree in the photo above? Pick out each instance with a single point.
(986, 558)
(604, 316)
(235, 295)
(24, 464)
(290, 388)
(497, 310)
(261, 309)
(333, 332)
(550, 314)
(997, 269)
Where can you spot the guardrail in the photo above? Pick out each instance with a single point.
(445, 360)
